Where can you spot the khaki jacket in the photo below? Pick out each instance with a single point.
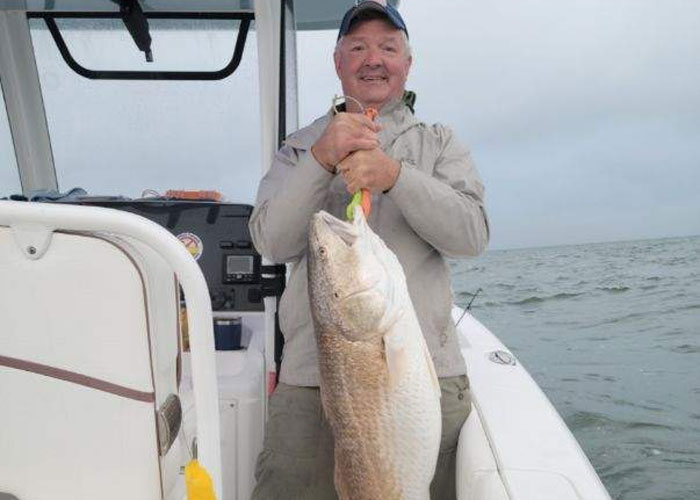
(434, 210)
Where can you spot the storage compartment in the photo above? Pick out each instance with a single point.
(240, 375)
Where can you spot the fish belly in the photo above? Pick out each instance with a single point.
(417, 420)
(358, 408)
(387, 436)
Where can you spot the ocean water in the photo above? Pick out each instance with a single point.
(611, 332)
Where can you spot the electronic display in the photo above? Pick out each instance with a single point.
(239, 264)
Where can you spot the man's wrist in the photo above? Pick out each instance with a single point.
(396, 166)
(320, 161)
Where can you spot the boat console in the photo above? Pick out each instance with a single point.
(216, 235)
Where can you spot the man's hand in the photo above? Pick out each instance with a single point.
(371, 169)
(346, 133)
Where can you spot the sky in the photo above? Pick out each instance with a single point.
(582, 116)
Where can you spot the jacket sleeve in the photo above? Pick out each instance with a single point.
(446, 208)
(289, 194)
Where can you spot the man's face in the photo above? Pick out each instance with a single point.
(372, 63)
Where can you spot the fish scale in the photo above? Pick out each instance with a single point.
(357, 406)
(378, 385)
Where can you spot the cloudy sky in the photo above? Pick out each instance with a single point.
(583, 116)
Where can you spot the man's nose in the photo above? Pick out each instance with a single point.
(373, 58)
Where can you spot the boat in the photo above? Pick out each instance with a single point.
(110, 379)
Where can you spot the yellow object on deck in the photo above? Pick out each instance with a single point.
(198, 482)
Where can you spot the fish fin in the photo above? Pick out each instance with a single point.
(358, 216)
(359, 221)
(396, 360)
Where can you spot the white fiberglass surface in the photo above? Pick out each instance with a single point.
(9, 177)
(121, 137)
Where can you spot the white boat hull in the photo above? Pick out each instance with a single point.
(515, 445)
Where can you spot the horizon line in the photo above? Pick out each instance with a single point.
(623, 240)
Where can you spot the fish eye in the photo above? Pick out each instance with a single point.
(322, 250)
(335, 294)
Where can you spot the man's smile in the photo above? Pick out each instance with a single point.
(373, 78)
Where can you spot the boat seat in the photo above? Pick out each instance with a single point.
(88, 353)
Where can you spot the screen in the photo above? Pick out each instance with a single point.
(239, 264)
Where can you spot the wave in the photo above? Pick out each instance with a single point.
(686, 349)
(536, 299)
(688, 307)
(614, 289)
(618, 319)
(506, 286)
(585, 419)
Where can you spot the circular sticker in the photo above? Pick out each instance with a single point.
(193, 244)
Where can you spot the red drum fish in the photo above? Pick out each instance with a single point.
(379, 389)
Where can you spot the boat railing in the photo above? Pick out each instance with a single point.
(33, 225)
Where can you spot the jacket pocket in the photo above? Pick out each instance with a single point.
(456, 404)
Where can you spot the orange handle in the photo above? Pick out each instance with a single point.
(366, 203)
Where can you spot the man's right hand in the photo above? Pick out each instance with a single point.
(345, 134)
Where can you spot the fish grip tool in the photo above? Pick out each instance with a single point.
(363, 197)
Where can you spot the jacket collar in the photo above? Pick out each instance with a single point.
(395, 117)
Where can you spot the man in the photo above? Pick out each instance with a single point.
(427, 203)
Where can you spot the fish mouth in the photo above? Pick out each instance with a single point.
(326, 225)
(345, 231)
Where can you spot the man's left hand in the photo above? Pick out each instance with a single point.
(371, 169)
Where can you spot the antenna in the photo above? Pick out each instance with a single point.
(469, 306)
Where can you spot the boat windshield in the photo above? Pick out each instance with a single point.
(121, 137)
(9, 176)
